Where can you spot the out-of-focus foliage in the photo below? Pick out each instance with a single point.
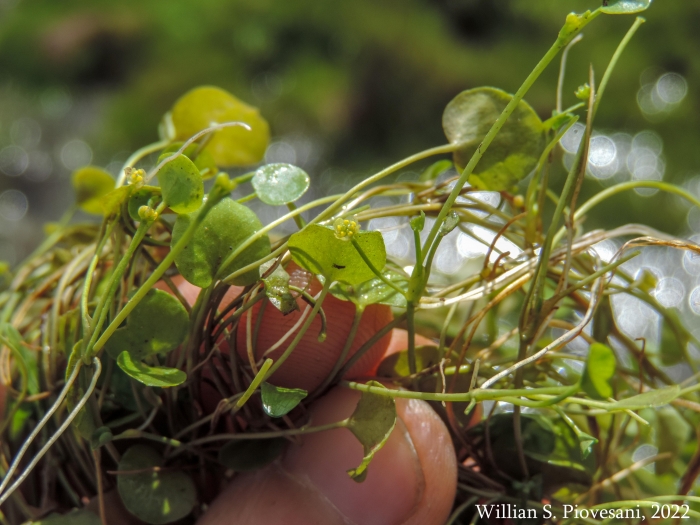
(347, 84)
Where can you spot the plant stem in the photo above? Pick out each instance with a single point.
(376, 272)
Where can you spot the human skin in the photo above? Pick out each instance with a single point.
(411, 481)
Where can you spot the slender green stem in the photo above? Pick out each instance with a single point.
(138, 155)
(302, 331)
(257, 381)
(298, 219)
(375, 271)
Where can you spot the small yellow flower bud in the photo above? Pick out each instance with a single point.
(345, 228)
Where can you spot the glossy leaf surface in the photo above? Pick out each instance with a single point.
(246, 455)
(181, 184)
(225, 227)
(281, 183)
(599, 371)
(278, 401)
(157, 325)
(625, 7)
(372, 422)
(277, 288)
(374, 291)
(91, 184)
(235, 146)
(154, 497)
(514, 151)
(159, 376)
(318, 250)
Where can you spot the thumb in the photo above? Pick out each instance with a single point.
(411, 480)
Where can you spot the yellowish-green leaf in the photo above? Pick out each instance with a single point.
(204, 106)
(181, 184)
(318, 250)
(653, 398)
(598, 372)
(91, 184)
(159, 376)
(625, 7)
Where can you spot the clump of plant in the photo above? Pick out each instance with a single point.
(115, 380)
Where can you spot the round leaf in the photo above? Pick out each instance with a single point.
(159, 376)
(154, 497)
(514, 151)
(227, 225)
(374, 291)
(250, 454)
(157, 325)
(281, 183)
(599, 370)
(202, 159)
(140, 198)
(235, 146)
(372, 422)
(91, 184)
(181, 184)
(625, 7)
(318, 250)
(278, 401)
(277, 289)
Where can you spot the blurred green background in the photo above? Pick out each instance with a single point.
(348, 87)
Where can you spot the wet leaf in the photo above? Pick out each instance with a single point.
(181, 184)
(431, 172)
(374, 291)
(154, 497)
(278, 401)
(160, 376)
(75, 517)
(372, 422)
(91, 184)
(277, 289)
(250, 454)
(672, 433)
(653, 398)
(157, 325)
(227, 226)
(278, 184)
(625, 7)
(451, 222)
(140, 198)
(514, 151)
(235, 146)
(598, 372)
(318, 250)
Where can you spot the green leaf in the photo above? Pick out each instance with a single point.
(451, 222)
(181, 184)
(75, 517)
(91, 184)
(625, 7)
(112, 201)
(278, 184)
(374, 291)
(514, 151)
(672, 433)
(250, 454)
(436, 168)
(278, 401)
(202, 159)
(586, 442)
(318, 250)
(277, 288)
(201, 107)
(159, 376)
(599, 370)
(418, 223)
(372, 422)
(157, 325)
(653, 398)
(396, 365)
(227, 225)
(140, 198)
(154, 496)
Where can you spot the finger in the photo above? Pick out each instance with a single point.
(411, 480)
